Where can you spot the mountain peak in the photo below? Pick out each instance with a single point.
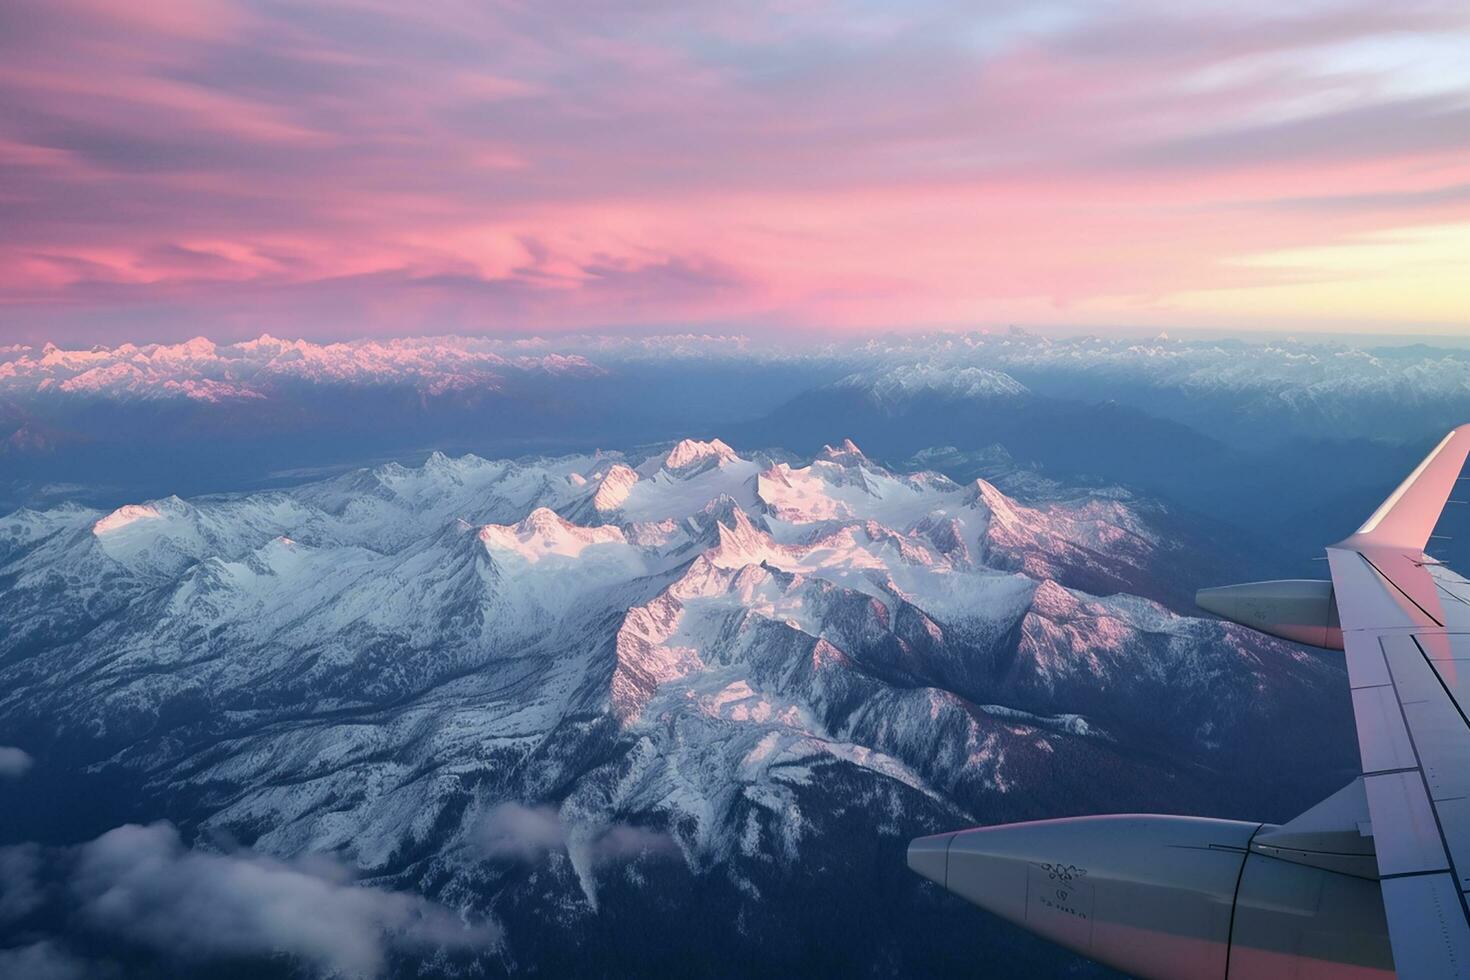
(123, 516)
(543, 533)
(613, 488)
(741, 542)
(897, 384)
(690, 452)
(848, 452)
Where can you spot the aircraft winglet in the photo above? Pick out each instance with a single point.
(1407, 518)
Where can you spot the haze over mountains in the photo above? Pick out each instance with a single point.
(1313, 385)
(544, 709)
(1221, 428)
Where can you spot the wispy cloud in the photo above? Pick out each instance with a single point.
(143, 886)
(515, 831)
(46, 960)
(530, 832)
(20, 882)
(14, 762)
(356, 167)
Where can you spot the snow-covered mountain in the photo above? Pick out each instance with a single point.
(894, 385)
(201, 370)
(1313, 386)
(586, 698)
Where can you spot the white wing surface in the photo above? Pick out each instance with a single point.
(1406, 635)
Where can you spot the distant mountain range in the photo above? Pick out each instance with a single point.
(1239, 431)
(1226, 388)
(613, 713)
(201, 370)
(1280, 499)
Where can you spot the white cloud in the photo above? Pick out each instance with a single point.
(46, 960)
(529, 832)
(14, 763)
(20, 890)
(525, 832)
(143, 884)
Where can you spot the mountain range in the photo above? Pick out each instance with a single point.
(607, 713)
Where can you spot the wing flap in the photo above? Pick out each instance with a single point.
(1383, 741)
(1426, 921)
(1405, 836)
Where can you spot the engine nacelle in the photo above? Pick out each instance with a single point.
(1173, 898)
(1303, 610)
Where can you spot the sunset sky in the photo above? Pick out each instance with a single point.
(347, 168)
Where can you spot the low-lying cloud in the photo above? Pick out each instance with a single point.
(20, 884)
(530, 832)
(45, 960)
(143, 887)
(14, 762)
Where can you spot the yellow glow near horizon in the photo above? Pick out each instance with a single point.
(1418, 274)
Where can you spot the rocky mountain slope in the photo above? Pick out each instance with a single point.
(676, 712)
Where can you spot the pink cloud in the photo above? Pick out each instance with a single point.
(356, 167)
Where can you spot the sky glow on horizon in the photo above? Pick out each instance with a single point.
(351, 168)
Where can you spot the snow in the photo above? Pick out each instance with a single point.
(660, 494)
(613, 488)
(896, 384)
(689, 452)
(543, 534)
(201, 370)
(1320, 386)
(125, 515)
(703, 648)
(853, 489)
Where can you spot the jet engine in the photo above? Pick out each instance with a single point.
(1303, 610)
(1184, 898)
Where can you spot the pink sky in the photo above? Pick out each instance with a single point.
(357, 167)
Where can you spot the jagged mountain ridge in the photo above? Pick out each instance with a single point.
(728, 651)
(201, 370)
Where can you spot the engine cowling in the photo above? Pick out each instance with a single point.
(1173, 898)
(1303, 610)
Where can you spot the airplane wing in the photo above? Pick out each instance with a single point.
(1370, 882)
(1406, 637)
